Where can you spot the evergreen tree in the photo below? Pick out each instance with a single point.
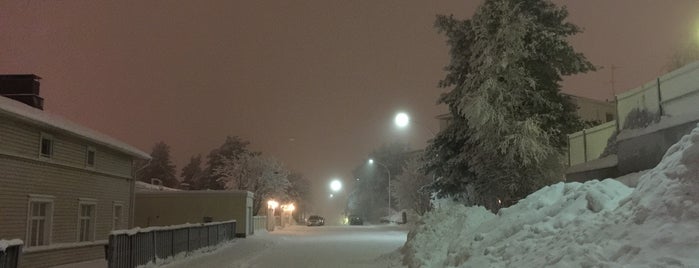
(506, 66)
(160, 167)
(192, 174)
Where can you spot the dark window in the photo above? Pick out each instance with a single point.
(90, 157)
(46, 146)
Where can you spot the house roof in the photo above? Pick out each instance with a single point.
(147, 187)
(35, 116)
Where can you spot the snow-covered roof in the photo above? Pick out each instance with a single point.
(147, 187)
(22, 111)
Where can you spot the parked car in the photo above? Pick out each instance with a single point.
(355, 220)
(315, 220)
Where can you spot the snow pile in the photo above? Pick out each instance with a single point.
(591, 224)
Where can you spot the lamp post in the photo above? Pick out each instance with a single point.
(271, 221)
(371, 162)
(403, 120)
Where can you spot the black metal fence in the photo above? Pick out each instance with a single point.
(9, 257)
(130, 248)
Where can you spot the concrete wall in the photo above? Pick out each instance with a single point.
(645, 151)
(171, 208)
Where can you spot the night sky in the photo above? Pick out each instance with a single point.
(312, 83)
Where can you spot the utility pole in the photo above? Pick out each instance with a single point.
(613, 81)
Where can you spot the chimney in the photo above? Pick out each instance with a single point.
(23, 88)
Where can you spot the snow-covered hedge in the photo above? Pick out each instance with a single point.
(591, 224)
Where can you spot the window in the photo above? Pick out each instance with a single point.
(118, 215)
(86, 219)
(39, 220)
(46, 147)
(90, 156)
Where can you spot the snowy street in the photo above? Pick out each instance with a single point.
(302, 246)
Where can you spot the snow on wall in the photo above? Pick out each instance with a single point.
(136, 230)
(595, 224)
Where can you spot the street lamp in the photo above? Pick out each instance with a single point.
(371, 162)
(335, 185)
(402, 120)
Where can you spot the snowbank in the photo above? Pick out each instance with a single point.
(591, 224)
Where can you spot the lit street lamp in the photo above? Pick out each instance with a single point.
(371, 162)
(336, 185)
(402, 120)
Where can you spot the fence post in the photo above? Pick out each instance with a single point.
(189, 230)
(569, 150)
(618, 119)
(172, 242)
(585, 145)
(155, 246)
(660, 98)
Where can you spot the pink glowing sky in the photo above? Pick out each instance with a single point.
(312, 83)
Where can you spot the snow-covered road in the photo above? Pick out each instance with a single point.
(301, 246)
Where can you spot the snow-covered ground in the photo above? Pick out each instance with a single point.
(592, 224)
(302, 246)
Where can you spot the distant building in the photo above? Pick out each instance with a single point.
(154, 208)
(591, 110)
(63, 187)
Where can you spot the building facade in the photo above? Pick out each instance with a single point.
(63, 187)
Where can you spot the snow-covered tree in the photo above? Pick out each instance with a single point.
(160, 166)
(265, 177)
(299, 192)
(506, 66)
(232, 148)
(369, 198)
(192, 174)
(408, 188)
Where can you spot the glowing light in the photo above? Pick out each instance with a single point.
(332, 195)
(335, 185)
(288, 207)
(402, 120)
(371, 161)
(272, 204)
